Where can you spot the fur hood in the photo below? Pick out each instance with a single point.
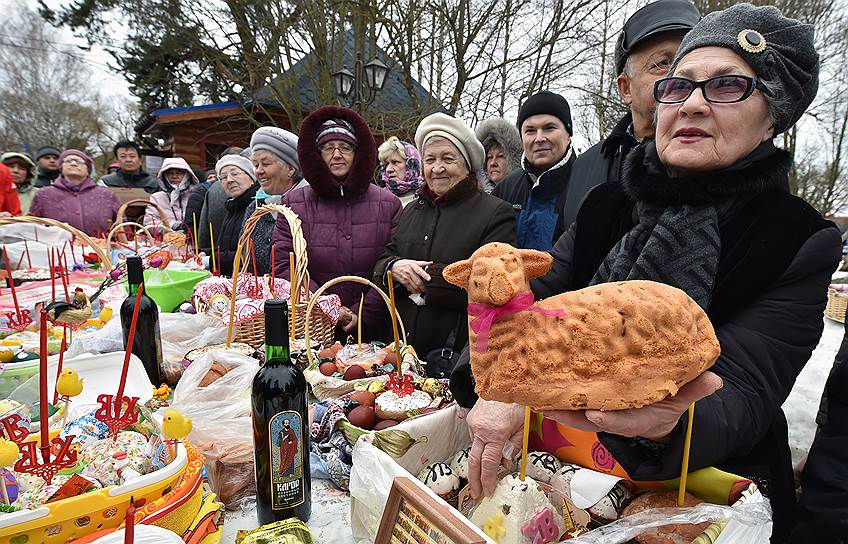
(499, 130)
(180, 164)
(314, 169)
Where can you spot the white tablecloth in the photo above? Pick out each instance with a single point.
(330, 520)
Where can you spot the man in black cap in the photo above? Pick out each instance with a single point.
(47, 159)
(539, 191)
(643, 54)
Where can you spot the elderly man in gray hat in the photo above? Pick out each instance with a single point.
(643, 54)
(274, 154)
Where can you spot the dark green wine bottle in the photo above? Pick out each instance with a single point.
(280, 427)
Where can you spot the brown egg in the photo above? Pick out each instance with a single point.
(385, 424)
(330, 352)
(365, 398)
(354, 372)
(363, 417)
(328, 369)
(390, 359)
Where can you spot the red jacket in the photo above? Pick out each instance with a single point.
(9, 201)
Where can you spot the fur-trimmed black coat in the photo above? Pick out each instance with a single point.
(443, 233)
(777, 257)
(346, 222)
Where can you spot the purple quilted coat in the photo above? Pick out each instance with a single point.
(347, 223)
(91, 209)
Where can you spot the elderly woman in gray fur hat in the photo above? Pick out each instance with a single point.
(503, 147)
(705, 208)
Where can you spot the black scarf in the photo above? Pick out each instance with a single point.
(676, 239)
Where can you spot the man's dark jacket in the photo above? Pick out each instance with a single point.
(601, 163)
(125, 180)
(516, 187)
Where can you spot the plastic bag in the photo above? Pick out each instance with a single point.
(748, 522)
(221, 421)
(180, 333)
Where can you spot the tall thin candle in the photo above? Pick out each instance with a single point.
(66, 278)
(61, 363)
(42, 383)
(194, 234)
(29, 259)
(684, 466)
(236, 266)
(212, 245)
(129, 523)
(52, 268)
(273, 264)
(128, 351)
(525, 440)
(394, 315)
(359, 322)
(11, 283)
(295, 296)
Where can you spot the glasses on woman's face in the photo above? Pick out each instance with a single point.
(329, 149)
(73, 160)
(234, 175)
(718, 90)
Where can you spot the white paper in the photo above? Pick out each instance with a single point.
(588, 487)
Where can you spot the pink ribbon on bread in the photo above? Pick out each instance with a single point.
(485, 315)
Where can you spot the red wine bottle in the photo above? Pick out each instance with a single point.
(280, 427)
(147, 344)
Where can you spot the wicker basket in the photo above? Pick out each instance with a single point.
(105, 261)
(252, 331)
(326, 387)
(837, 304)
(117, 231)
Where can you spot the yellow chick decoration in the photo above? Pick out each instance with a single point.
(69, 383)
(9, 452)
(175, 425)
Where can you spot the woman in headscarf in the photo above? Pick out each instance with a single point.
(400, 168)
(705, 208)
(75, 198)
(176, 182)
(9, 203)
(347, 220)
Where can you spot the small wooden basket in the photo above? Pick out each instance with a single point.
(105, 261)
(837, 304)
(252, 331)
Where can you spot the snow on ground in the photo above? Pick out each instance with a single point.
(803, 402)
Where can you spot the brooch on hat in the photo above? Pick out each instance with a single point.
(751, 41)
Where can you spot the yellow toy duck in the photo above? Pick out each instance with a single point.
(69, 383)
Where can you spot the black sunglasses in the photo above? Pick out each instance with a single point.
(719, 89)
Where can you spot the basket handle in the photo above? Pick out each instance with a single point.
(105, 260)
(298, 241)
(313, 300)
(117, 229)
(122, 211)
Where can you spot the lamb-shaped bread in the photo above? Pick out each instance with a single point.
(606, 347)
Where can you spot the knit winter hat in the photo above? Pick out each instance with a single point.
(242, 163)
(779, 49)
(77, 153)
(457, 132)
(47, 150)
(335, 129)
(546, 102)
(282, 143)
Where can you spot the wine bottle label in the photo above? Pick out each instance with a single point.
(287, 488)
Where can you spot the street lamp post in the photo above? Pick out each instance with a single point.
(360, 87)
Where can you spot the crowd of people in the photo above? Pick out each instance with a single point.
(688, 189)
